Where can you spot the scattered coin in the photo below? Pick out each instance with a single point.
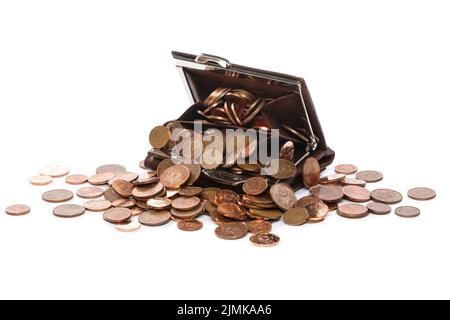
(123, 203)
(317, 211)
(356, 193)
(69, 211)
(76, 179)
(352, 211)
(346, 169)
(132, 226)
(296, 216)
(378, 208)
(175, 176)
(58, 195)
(232, 211)
(146, 192)
(334, 178)
(101, 178)
(159, 203)
(259, 226)
(269, 214)
(117, 215)
(191, 192)
(55, 171)
(369, 176)
(111, 195)
(189, 214)
(407, 212)
(283, 195)
(232, 230)
(255, 186)
(284, 169)
(97, 205)
(190, 225)
(387, 196)
(185, 203)
(17, 210)
(110, 168)
(421, 193)
(159, 137)
(311, 172)
(41, 180)
(126, 176)
(154, 218)
(123, 188)
(352, 182)
(90, 192)
(327, 193)
(265, 239)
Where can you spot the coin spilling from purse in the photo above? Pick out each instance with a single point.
(236, 157)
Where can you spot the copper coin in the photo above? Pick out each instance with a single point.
(287, 151)
(18, 210)
(175, 176)
(255, 186)
(352, 182)
(327, 193)
(271, 214)
(123, 188)
(311, 172)
(286, 169)
(189, 214)
(101, 178)
(163, 165)
(128, 227)
(110, 168)
(117, 215)
(225, 196)
(146, 192)
(196, 171)
(111, 195)
(190, 225)
(304, 201)
(97, 205)
(232, 211)
(209, 193)
(356, 194)
(334, 178)
(421, 193)
(346, 169)
(407, 212)
(76, 179)
(185, 203)
(232, 230)
(352, 211)
(317, 211)
(209, 206)
(387, 196)
(259, 226)
(296, 216)
(123, 203)
(154, 218)
(136, 211)
(69, 211)
(159, 137)
(41, 180)
(261, 200)
(369, 176)
(191, 192)
(159, 203)
(126, 176)
(55, 171)
(58, 195)
(170, 193)
(90, 192)
(265, 239)
(146, 178)
(283, 195)
(218, 218)
(378, 208)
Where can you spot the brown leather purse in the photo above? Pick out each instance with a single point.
(290, 109)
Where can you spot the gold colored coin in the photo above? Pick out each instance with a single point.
(159, 137)
(296, 216)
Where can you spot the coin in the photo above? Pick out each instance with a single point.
(123, 203)
(317, 211)
(261, 200)
(146, 178)
(69, 211)
(271, 214)
(90, 192)
(250, 167)
(283, 195)
(352, 182)
(352, 211)
(117, 215)
(369, 176)
(225, 196)
(296, 216)
(209, 193)
(304, 201)
(287, 151)
(332, 206)
(407, 212)
(188, 214)
(190, 225)
(191, 192)
(284, 169)
(159, 203)
(346, 169)
(259, 226)
(175, 176)
(196, 171)
(356, 193)
(55, 171)
(112, 168)
(123, 188)
(255, 186)
(232, 211)
(41, 180)
(159, 137)
(378, 208)
(97, 205)
(146, 192)
(17, 209)
(154, 218)
(218, 218)
(129, 227)
(111, 195)
(136, 211)
(311, 172)
(185, 203)
(126, 176)
(101, 178)
(163, 165)
(232, 230)
(421, 193)
(334, 178)
(327, 193)
(58, 195)
(265, 239)
(76, 179)
(386, 196)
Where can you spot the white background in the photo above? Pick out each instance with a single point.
(83, 82)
